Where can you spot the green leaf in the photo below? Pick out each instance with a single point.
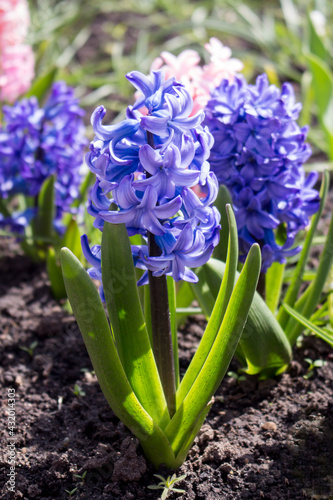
(220, 355)
(298, 272)
(55, 274)
(316, 43)
(323, 88)
(128, 323)
(308, 324)
(202, 293)
(223, 199)
(89, 313)
(261, 329)
(308, 301)
(219, 309)
(43, 223)
(42, 85)
(147, 313)
(273, 285)
(72, 240)
(182, 454)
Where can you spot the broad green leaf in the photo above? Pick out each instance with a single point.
(72, 240)
(298, 272)
(43, 223)
(323, 89)
(182, 454)
(202, 293)
(55, 274)
(42, 85)
(308, 324)
(128, 323)
(147, 313)
(263, 343)
(89, 313)
(261, 329)
(273, 285)
(218, 311)
(316, 43)
(223, 199)
(220, 355)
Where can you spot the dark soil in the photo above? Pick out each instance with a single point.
(262, 440)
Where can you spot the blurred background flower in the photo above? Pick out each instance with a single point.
(39, 141)
(16, 58)
(199, 79)
(258, 153)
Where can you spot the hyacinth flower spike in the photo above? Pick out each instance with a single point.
(258, 157)
(41, 149)
(153, 198)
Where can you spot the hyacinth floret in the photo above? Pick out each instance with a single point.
(37, 142)
(258, 153)
(146, 167)
(17, 221)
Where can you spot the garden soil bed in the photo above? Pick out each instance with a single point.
(268, 439)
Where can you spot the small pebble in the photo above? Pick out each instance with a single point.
(269, 426)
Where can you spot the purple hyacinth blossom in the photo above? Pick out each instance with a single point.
(146, 167)
(145, 215)
(17, 222)
(167, 171)
(93, 256)
(258, 153)
(37, 142)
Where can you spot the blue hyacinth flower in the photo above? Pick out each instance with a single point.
(258, 153)
(146, 168)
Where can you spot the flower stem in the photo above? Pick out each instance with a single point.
(261, 287)
(160, 323)
(161, 330)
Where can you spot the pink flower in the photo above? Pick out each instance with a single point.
(200, 80)
(183, 66)
(16, 59)
(16, 71)
(221, 66)
(14, 21)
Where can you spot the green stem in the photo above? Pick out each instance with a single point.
(173, 323)
(160, 322)
(261, 287)
(161, 330)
